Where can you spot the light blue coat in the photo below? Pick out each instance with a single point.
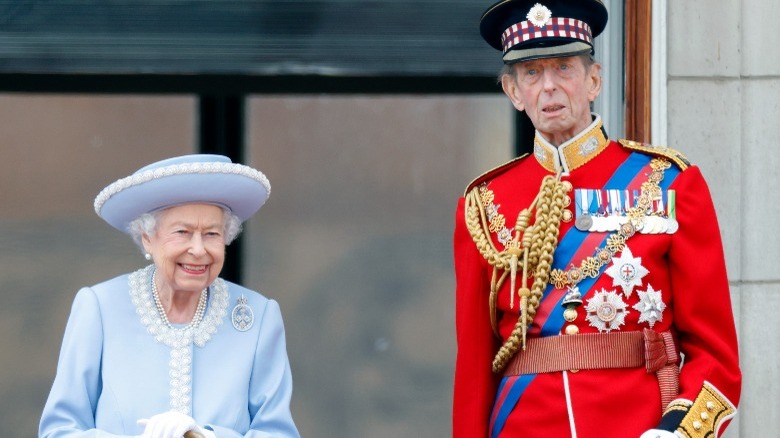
(112, 371)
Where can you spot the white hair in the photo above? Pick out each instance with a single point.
(147, 224)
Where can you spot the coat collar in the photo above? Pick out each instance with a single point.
(574, 153)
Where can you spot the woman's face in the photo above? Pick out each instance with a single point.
(188, 247)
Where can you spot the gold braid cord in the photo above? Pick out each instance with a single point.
(531, 247)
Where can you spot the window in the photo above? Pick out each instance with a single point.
(58, 152)
(355, 243)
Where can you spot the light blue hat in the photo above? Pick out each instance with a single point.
(187, 179)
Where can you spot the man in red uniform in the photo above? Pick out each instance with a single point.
(592, 298)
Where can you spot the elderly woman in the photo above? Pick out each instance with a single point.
(172, 350)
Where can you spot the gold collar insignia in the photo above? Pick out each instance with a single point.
(575, 152)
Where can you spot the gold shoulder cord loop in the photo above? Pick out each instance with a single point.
(477, 224)
(532, 245)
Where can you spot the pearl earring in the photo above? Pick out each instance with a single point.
(148, 256)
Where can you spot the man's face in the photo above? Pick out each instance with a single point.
(555, 93)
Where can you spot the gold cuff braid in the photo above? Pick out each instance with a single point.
(705, 415)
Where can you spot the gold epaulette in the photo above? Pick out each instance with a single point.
(659, 151)
(492, 173)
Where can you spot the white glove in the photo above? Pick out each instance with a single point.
(172, 424)
(658, 433)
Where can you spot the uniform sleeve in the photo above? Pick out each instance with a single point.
(270, 387)
(475, 383)
(710, 377)
(70, 408)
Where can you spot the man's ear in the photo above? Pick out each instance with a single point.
(512, 91)
(595, 81)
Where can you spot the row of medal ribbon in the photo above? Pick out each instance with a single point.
(604, 210)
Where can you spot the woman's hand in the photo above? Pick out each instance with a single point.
(173, 424)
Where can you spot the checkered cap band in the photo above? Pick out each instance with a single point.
(556, 27)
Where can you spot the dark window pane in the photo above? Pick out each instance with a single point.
(58, 152)
(355, 244)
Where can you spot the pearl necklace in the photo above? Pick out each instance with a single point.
(199, 311)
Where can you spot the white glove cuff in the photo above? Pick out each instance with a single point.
(658, 433)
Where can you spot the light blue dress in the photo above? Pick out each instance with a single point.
(120, 362)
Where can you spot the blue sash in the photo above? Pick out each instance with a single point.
(567, 248)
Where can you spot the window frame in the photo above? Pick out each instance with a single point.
(638, 53)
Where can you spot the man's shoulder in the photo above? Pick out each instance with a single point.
(672, 155)
(495, 172)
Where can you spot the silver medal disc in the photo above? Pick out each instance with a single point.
(584, 222)
(673, 226)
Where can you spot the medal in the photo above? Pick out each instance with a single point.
(242, 316)
(650, 306)
(584, 222)
(601, 224)
(582, 201)
(606, 311)
(627, 271)
(664, 227)
(673, 226)
(651, 225)
(671, 212)
(612, 222)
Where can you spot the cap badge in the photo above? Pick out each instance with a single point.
(242, 316)
(650, 306)
(539, 15)
(606, 311)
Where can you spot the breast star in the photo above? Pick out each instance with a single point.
(650, 306)
(627, 271)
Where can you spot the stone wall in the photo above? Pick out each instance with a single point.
(723, 113)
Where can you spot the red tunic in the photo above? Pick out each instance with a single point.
(686, 267)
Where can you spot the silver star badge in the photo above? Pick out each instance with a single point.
(606, 311)
(627, 271)
(650, 306)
